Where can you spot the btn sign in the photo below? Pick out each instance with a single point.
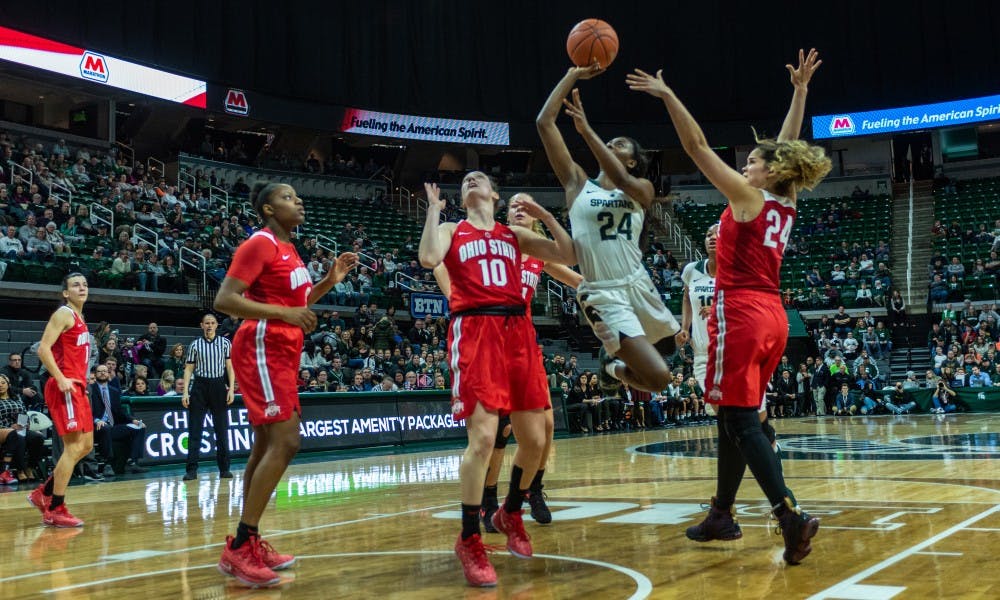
(236, 102)
(94, 66)
(842, 125)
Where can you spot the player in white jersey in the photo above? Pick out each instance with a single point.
(606, 217)
(699, 292)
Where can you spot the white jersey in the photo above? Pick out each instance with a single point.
(701, 292)
(606, 228)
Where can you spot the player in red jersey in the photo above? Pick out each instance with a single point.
(65, 352)
(492, 351)
(268, 285)
(748, 327)
(531, 269)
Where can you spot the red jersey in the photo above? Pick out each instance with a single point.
(71, 349)
(749, 254)
(531, 270)
(485, 267)
(272, 269)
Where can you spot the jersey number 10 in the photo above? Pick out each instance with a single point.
(494, 272)
(777, 233)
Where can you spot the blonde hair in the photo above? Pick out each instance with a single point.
(796, 165)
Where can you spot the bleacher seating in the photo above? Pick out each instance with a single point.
(961, 208)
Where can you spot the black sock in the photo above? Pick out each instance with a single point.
(48, 487)
(57, 501)
(515, 495)
(490, 493)
(536, 483)
(243, 533)
(470, 520)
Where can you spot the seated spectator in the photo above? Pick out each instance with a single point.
(938, 289)
(863, 297)
(979, 379)
(39, 248)
(26, 448)
(111, 422)
(11, 247)
(842, 402)
(955, 267)
(837, 276)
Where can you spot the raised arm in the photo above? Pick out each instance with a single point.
(800, 83)
(570, 174)
(638, 188)
(435, 241)
(563, 274)
(558, 250)
(727, 180)
(341, 267)
(443, 279)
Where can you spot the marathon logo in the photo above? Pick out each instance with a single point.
(94, 66)
(236, 102)
(841, 125)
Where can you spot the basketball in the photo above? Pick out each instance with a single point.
(592, 40)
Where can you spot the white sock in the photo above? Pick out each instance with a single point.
(611, 366)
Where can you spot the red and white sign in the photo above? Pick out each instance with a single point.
(80, 63)
(236, 102)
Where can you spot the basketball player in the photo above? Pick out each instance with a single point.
(492, 352)
(531, 269)
(269, 287)
(699, 292)
(606, 216)
(748, 327)
(65, 352)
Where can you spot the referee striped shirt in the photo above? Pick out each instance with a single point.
(209, 357)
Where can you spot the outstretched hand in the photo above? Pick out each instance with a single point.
(529, 206)
(641, 81)
(433, 196)
(808, 64)
(588, 72)
(345, 262)
(575, 110)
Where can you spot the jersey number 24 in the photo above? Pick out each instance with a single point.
(608, 229)
(777, 232)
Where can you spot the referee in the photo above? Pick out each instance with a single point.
(209, 361)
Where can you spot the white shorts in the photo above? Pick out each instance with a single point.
(700, 368)
(629, 307)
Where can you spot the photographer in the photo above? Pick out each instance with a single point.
(895, 401)
(942, 399)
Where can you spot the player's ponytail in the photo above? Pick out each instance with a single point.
(796, 165)
(260, 195)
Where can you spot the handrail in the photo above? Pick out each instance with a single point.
(151, 162)
(16, 167)
(141, 232)
(327, 243)
(677, 235)
(217, 192)
(186, 177)
(554, 287)
(409, 197)
(131, 153)
(365, 256)
(96, 214)
(248, 210)
(56, 186)
(197, 262)
(418, 285)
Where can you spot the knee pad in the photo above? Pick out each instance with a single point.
(503, 433)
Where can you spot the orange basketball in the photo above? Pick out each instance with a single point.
(592, 40)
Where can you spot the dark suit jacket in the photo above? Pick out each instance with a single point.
(115, 397)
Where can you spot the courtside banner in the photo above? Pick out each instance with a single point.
(428, 305)
(367, 122)
(892, 120)
(91, 65)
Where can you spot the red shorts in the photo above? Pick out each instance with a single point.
(495, 361)
(747, 333)
(69, 411)
(266, 358)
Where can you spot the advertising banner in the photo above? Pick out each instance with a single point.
(428, 305)
(367, 122)
(91, 65)
(894, 120)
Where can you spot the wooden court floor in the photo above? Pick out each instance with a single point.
(910, 508)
